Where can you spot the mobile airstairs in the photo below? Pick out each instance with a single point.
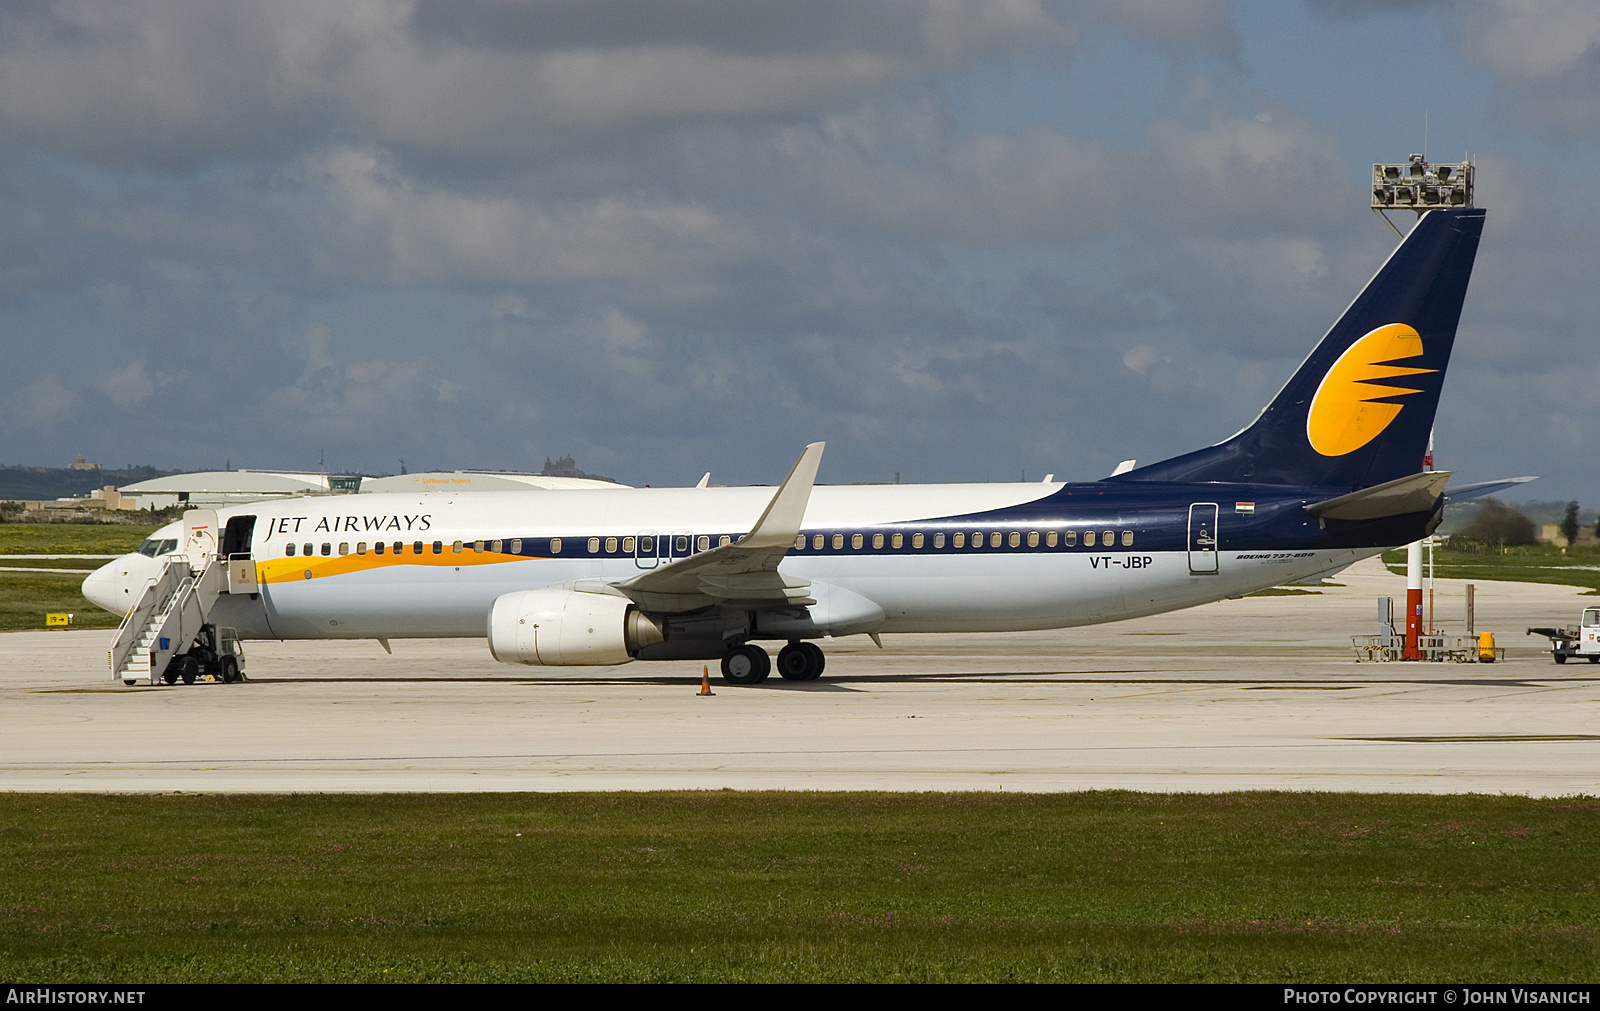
(168, 634)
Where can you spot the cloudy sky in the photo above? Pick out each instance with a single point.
(961, 241)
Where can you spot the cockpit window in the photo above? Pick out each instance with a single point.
(152, 547)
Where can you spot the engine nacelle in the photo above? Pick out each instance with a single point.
(556, 627)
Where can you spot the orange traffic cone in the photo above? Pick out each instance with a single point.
(705, 681)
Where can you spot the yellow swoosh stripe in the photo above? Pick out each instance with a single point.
(1345, 413)
(283, 570)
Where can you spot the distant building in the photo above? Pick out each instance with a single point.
(485, 480)
(78, 463)
(1550, 533)
(209, 489)
(568, 467)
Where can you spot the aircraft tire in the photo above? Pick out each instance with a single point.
(746, 665)
(801, 661)
(1559, 658)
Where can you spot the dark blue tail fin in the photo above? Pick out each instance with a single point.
(1359, 410)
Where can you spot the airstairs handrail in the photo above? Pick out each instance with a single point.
(156, 597)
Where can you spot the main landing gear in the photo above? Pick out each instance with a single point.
(749, 664)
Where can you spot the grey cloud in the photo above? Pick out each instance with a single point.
(43, 405)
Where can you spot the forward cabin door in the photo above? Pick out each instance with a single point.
(236, 538)
(1203, 538)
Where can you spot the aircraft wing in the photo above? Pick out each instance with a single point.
(744, 573)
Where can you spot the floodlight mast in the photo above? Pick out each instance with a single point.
(1418, 186)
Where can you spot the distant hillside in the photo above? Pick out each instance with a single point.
(30, 483)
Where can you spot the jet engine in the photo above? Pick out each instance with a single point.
(557, 626)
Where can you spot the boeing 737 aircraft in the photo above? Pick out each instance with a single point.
(1329, 473)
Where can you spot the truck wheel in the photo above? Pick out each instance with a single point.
(1560, 657)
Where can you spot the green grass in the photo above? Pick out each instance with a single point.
(796, 886)
(26, 597)
(1541, 563)
(70, 538)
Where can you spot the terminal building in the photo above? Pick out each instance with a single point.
(211, 489)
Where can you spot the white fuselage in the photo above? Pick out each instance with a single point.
(320, 574)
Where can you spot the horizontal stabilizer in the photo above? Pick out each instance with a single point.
(1467, 492)
(1415, 493)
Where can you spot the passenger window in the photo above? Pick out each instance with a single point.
(1050, 539)
(898, 540)
(399, 547)
(1072, 538)
(307, 549)
(800, 543)
(344, 547)
(627, 545)
(288, 549)
(1127, 538)
(1088, 538)
(361, 547)
(938, 541)
(702, 543)
(725, 540)
(516, 545)
(611, 545)
(377, 547)
(1108, 538)
(417, 548)
(477, 546)
(855, 542)
(555, 545)
(1014, 539)
(455, 548)
(816, 542)
(438, 547)
(916, 540)
(495, 546)
(977, 539)
(680, 544)
(838, 541)
(958, 540)
(877, 541)
(1033, 538)
(647, 545)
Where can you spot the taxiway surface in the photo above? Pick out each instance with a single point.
(1259, 693)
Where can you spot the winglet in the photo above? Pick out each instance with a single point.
(780, 524)
(705, 482)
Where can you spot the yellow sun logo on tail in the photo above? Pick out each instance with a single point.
(1344, 415)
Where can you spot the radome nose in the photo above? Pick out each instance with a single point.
(100, 587)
